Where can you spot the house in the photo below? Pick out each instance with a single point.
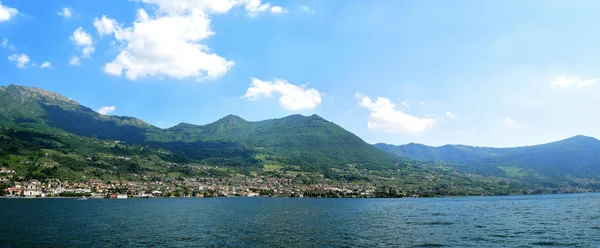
(33, 189)
(15, 191)
(253, 194)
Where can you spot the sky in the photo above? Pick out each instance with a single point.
(483, 73)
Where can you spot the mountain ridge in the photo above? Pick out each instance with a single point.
(302, 140)
(66, 140)
(53, 98)
(573, 157)
(574, 137)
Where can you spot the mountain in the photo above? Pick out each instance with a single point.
(26, 107)
(451, 153)
(309, 143)
(572, 159)
(44, 135)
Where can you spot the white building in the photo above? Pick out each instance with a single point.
(33, 189)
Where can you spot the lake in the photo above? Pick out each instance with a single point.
(571, 220)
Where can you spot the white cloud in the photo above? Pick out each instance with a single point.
(106, 26)
(422, 102)
(384, 117)
(253, 7)
(170, 42)
(81, 38)
(106, 110)
(74, 61)
(21, 59)
(164, 46)
(46, 64)
(278, 10)
(450, 114)
(84, 40)
(6, 13)
(292, 97)
(66, 12)
(509, 121)
(306, 9)
(566, 82)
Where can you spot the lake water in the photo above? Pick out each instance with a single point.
(513, 221)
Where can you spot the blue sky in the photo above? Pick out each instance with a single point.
(501, 73)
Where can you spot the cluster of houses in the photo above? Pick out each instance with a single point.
(35, 188)
(193, 187)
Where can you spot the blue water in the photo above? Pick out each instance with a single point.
(514, 221)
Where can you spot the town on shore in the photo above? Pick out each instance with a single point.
(181, 187)
(13, 186)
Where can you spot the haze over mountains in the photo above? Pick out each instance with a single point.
(577, 157)
(35, 122)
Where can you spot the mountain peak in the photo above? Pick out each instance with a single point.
(24, 93)
(227, 123)
(578, 139)
(300, 117)
(582, 137)
(232, 118)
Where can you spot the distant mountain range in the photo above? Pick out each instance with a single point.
(45, 135)
(576, 157)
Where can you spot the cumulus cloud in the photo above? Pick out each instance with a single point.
(450, 114)
(74, 61)
(106, 110)
(170, 42)
(422, 102)
(6, 13)
(255, 7)
(566, 82)
(384, 117)
(107, 26)
(163, 46)
(83, 40)
(291, 97)
(509, 121)
(66, 12)
(46, 64)
(21, 59)
(278, 10)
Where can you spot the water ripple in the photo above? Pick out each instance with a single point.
(512, 221)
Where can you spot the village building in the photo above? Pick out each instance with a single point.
(33, 189)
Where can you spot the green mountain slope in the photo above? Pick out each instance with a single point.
(26, 107)
(308, 143)
(45, 135)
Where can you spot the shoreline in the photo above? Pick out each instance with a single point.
(287, 197)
